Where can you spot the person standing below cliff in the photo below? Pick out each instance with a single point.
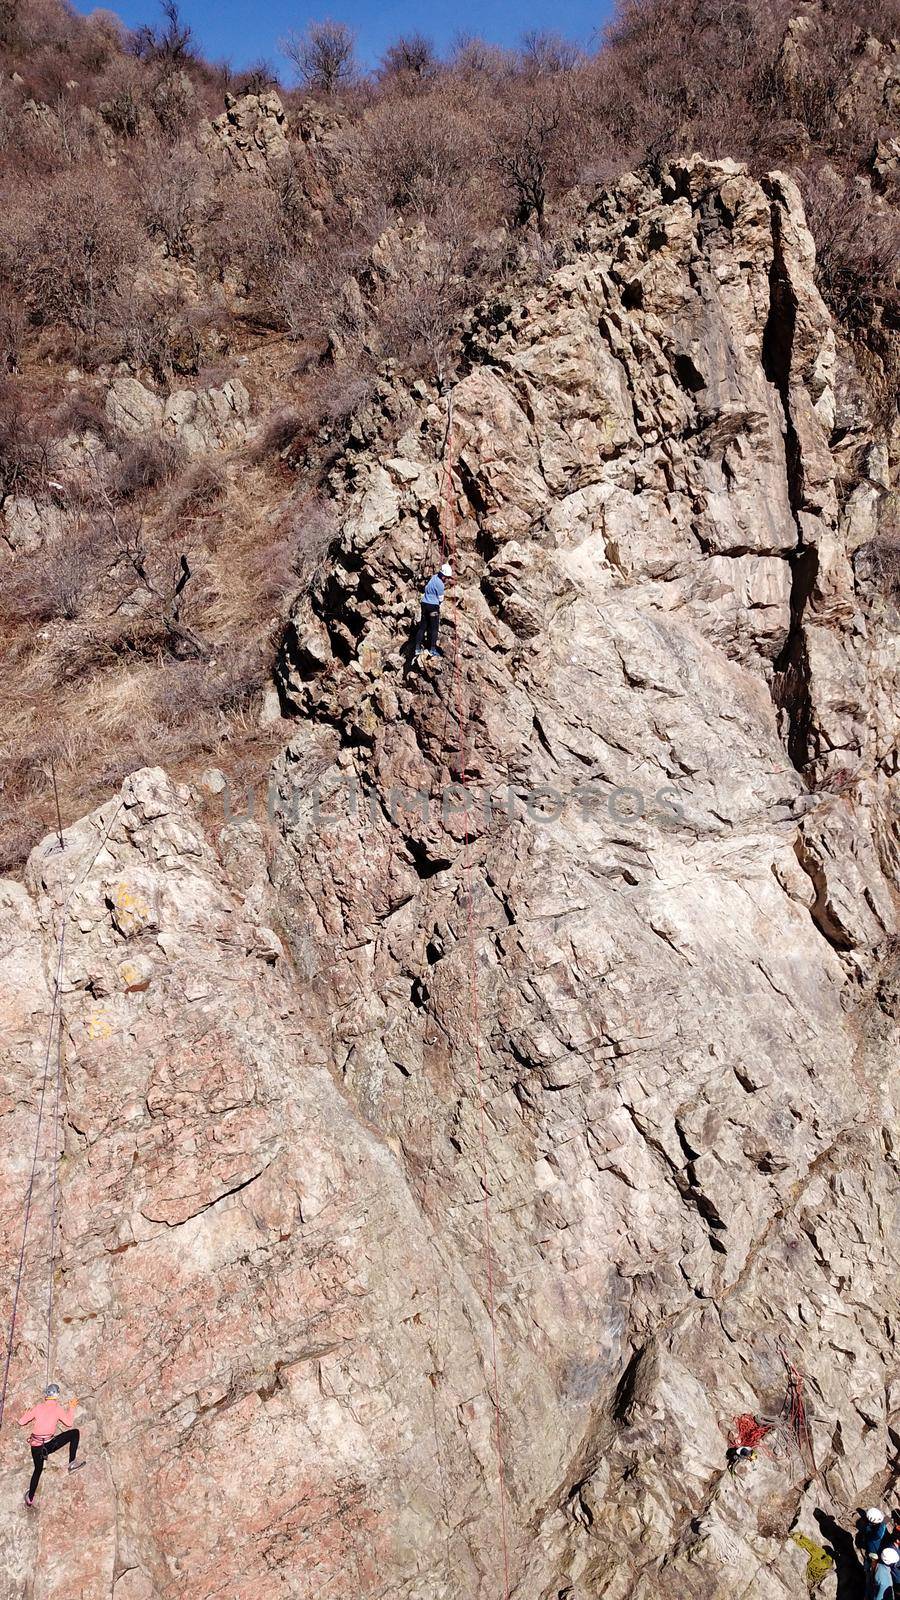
(429, 620)
(873, 1533)
(882, 1574)
(44, 1419)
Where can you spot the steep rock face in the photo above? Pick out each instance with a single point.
(558, 1107)
(242, 1265)
(663, 492)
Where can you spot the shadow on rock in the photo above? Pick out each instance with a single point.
(851, 1578)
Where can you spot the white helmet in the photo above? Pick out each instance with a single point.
(890, 1556)
(874, 1515)
(446, 570)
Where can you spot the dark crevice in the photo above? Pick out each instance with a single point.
(791, 671)
(791, 675)
(688, 375)
(542, 737)
(625, 1388)
(819, 911)
(426, 866)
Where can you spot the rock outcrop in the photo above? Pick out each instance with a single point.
(28, 523)
(447, 1165)
(199, 420)
(251, 131)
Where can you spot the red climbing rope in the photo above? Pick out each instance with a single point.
(54, 1022)
(747, 1432)
(448, 534)
(29, 1193)
(794, 1414)
(788, 1433)
(54, 1188)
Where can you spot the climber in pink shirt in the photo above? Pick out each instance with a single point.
(44, 1419)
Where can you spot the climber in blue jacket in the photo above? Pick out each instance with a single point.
(873, 1535)
(882, 1574)
(429, 621)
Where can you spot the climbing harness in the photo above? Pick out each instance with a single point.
(449, 552)
(54, 1029)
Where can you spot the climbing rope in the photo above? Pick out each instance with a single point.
(54, 1182)
(783, 1436)
(448, 547)
(794, 1414)
(54, 1028)
(748, 1432)
(29, 1193)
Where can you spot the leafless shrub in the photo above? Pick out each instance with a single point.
(278, 433)
(319, 300)
(412, 61)
(337, 393)
(120, 97)
(420, 317)
(312, 528)
(23, 445)
(197, 492)
(546, 53)
(100, 39)
(420, 150)
(74, 249)
(145, 464)
(529, 150)
(877, 564)
(289, 182)
(257, 79)
(12, 332)
(187, 692)
(56, 583)
(170, 192)
(157, 332)
(80, 412)
(324, 55)
(474, 59)
(245, 239)
(170, 43)
(18, 837)
(173, 101)
(857, 248)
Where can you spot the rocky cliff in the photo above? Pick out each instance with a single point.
(448, 1162)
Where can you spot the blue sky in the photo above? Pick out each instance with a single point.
(241, 31)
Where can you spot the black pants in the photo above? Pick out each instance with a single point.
(40, 1452)
(428, 627)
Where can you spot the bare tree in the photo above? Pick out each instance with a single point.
(79, 237)
(413, 59)
(324, 55)
(259, 77)
(526, 148)
(473, 57)
(420, 149)
(171, 43)
(545, 53)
